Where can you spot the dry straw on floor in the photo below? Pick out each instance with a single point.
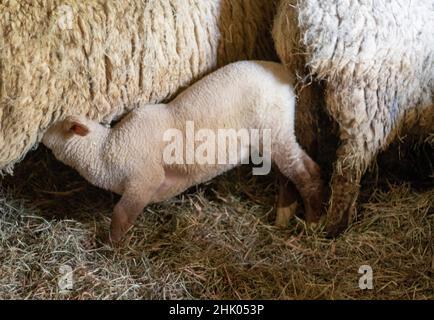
(216, 241)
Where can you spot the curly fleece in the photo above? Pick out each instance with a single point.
(377, 59)
(102, 58)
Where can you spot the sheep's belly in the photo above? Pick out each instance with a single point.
(177, 182)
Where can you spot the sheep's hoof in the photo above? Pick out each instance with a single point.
(342, 210)
(117, 232)
(114, 238)
(335, 229)
(111, 241)
(284, 214)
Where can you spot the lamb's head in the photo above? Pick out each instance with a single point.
(73, 130)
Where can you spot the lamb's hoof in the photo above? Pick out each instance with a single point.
(117, 232)
(285, 214)
(113, 239)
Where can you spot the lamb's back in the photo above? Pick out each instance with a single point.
(235, 95)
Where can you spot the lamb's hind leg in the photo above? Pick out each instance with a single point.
(286, 206)
(296, 164)
(306, 128)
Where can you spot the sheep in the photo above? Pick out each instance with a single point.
(102, 58)
(376, 58)
(132, 158)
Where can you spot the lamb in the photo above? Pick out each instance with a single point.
(102, 58)
(131, 158)
(377, 60)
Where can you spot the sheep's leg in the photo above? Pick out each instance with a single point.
(354, 157)
(286, 201)
(366, 117)
(135, 198)
(295, 164)
(306, 128)
(345, 185)
(125, 214)
(342, 209)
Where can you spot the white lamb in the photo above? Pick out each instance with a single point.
(128, 158)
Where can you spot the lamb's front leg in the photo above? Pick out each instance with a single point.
(137, 195)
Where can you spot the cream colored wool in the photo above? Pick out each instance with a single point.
(377, 58)
(310, 96)
(101, 58)
(129, 159)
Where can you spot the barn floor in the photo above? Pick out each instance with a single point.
(215, 242)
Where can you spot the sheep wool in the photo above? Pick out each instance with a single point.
(102, 58)
(377, 59)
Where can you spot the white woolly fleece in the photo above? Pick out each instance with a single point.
(128, 159)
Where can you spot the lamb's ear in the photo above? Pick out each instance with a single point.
(79, 129)
(75, 126)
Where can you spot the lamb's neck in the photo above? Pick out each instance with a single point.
(85, 157)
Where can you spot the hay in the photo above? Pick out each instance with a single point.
(216, 241)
